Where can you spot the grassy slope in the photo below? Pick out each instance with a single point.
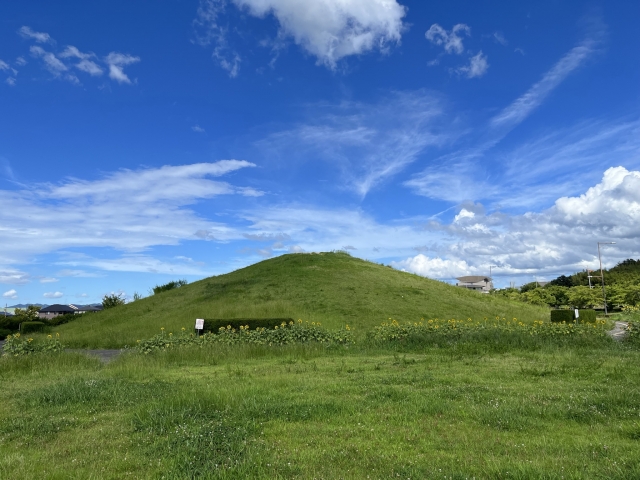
(332, 288)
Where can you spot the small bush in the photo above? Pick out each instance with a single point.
(3, 333)
(113, 300)
(28, 327)
(169, 286)
(569, 316)
(214, 325)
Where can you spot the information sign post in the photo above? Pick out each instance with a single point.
(199, 325)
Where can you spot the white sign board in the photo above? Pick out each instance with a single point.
(578, 313)
(199, 323)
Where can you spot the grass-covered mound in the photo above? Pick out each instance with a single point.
(334, 289)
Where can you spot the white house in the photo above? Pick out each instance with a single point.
(476, 282)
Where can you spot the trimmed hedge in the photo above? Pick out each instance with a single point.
(214, 325)
(28, 327)
(569, 316)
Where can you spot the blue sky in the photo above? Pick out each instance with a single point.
(143, 142)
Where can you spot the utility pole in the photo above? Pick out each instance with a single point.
(604, 294)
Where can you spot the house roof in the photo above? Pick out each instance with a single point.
(59, 309)
(474, 279)
(88, 308)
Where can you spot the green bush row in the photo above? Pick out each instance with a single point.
(569, 316)
(214, 325)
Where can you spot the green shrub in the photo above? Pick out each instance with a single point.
(587, 316)
(169, 286)
(214, 325)
(62, 319)
(3, 333)
(559, 316)
(28, 327)
(569, 316)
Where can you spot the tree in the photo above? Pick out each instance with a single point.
(539, 296)
(113, 300)
(561, 294)
(562, 281)
(28, 315)
(581, 297)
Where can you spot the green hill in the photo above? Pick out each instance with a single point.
(332, 288)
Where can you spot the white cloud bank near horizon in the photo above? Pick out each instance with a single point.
(561, 238)
(132, 211)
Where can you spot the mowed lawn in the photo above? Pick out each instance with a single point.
(305, 412)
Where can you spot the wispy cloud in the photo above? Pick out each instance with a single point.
(197, 129)
(468, 174)
(86, 63)
(533, 98)
(477, 67)
(117, 62)
(129, 210)
(368, 143)
(40, 37)
(451, 40)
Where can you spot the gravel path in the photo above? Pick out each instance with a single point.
(104, 355)
(619, 331)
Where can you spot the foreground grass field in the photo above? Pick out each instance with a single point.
(334, 289)
(307, 412)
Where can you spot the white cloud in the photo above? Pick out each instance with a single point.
(53, 295)
(4, 65)
(433, 267)
(451, 40)
(86, 64)
(561, 239)
(40, 37)
(116, 62)
(330, 30)
(21, 62)
(478, 66)
(10, 81)
(197, 128)
(10, 294)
